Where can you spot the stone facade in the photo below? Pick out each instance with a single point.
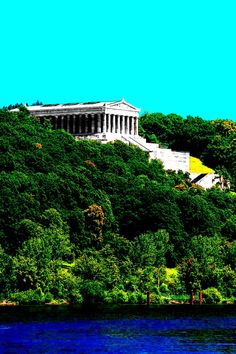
(98, 120)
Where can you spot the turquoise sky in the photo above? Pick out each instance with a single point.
(162, 56)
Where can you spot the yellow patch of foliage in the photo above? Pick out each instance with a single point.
(180, 186)
(88, 162)
(95, 220)
(196, 166)
(171, 275)
(39, 146)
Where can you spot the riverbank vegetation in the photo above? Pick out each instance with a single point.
(82, 221)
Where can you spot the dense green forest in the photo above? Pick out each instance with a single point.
(82, 221)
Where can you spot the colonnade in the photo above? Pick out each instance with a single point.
(95, 123)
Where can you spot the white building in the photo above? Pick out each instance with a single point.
(98, 120)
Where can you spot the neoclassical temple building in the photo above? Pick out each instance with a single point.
(100, 120)
(110, 121)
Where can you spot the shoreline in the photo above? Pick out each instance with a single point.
(6, 303)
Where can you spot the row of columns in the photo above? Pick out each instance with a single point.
(96, 123)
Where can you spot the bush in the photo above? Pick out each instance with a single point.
(120, 296)
(211, 296)
(164, 288)
(75, 297)
(172, 280)
(28, 297)
(92, 291)
(108, 299)
(117, 296)
(159, 299)
(136, 297)
(48, 297)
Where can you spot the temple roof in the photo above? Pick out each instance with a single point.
(120, 104)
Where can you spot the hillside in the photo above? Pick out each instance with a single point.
(214, 142)
(81, 221)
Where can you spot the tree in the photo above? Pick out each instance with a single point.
(148, 252)
(149, 249)
(203, 268)
(94, 219)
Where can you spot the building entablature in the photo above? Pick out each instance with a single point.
(63, 111)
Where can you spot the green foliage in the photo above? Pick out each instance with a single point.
(164, 289)
(117, 296)
(29, 296)
(204, 267)
(159, 299)
(211, 296)
(64, 285)
(82, 221)
(149, 249)
(98, 265)
(229, 228)
(7, 274)
(165, 129)
(92, 290)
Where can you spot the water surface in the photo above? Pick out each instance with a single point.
(118, 329)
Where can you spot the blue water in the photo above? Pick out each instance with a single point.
(166, 329)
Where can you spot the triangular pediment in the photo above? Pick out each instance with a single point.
(122, 104)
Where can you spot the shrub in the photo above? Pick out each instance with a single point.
(116, 296)
(108, 299)
(172, 280)
(28, 297)
(211, 296)
(120, 296)
(164, 288)
(75, 297)
(136, 297)
(159, 299)
(92, 291)
(48, 297)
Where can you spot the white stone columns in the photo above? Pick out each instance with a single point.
(96, 122)
(86, 123)
(132, 125)
(136, 126)
(62, 122)
(113, 123)
(99, 123)
(109, 123)
(123, 125)
(118, 124)
(56, 118)
(104, 126)
(79, 117)
(73, 127)
(92, 123)
(126, 125)
(68, 123)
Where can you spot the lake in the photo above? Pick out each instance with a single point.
(118, 329)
